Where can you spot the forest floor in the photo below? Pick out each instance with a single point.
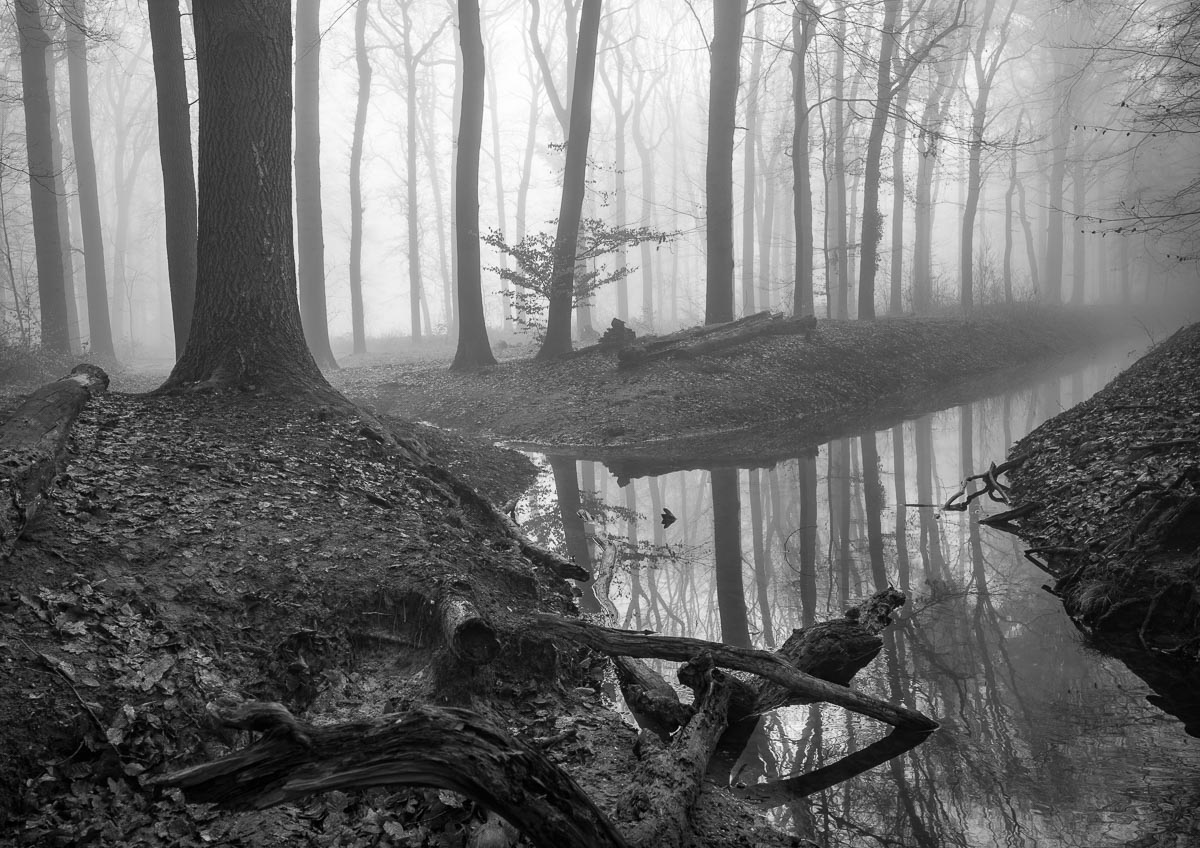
(208, 545)
(1110, 492)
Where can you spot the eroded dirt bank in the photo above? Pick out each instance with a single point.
(773, 393)
(1111, 495)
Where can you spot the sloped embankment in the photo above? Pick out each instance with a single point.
(1116, 485)
(768, 395)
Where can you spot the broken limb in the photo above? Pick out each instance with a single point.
(32, 443)
(776, 793)
(992, 487)
(762, 663)
(426, 746)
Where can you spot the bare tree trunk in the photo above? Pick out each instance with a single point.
(474, 351)
(1054, 212)
(802, 34)
(247, 327)
(310, 227)
(501, 216)
(929, 147)
(74, 319)
(175, 153)
(362, 60)
(750, 144)
(872, 220)
(729, 19)
(840, 255)
(558, 325)
(896, 274)
(48, 242)
(1079, 252)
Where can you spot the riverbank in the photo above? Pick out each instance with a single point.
(760, 399)
(1111, 492)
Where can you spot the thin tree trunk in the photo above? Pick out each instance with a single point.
(840, 254)
(1079, 252)
(929, 148)
(48, 241)
(750, 145)
(501, 217)
(558, 325)
(802, 34)
(729, 18)
(74, 319)
(474, 351)
(175, 153)
(872, 219)
(362, 61)
(896, 275)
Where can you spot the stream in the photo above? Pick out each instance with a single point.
(1043, 742)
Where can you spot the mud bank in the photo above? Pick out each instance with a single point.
(1111, 495)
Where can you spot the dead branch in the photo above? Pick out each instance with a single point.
(446, 748)
(761, 663)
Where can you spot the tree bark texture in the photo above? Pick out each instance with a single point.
(100, 340)
(474, 350)
(175, 154)
(309, 219)
(729, 20)
(447, 748)
(247, 329)
(32, 443)
(749, 162)
(52, 299)
(558, 321)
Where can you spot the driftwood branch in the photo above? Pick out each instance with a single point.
(426, 746)
(762, 663)
(32, 443)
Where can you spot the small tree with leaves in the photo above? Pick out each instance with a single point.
(532, 273)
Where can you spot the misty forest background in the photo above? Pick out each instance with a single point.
(1014, 149)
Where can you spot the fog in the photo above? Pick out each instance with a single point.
(1087, 89)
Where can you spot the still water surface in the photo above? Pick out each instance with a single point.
(1042, 744)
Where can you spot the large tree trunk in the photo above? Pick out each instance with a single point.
(310, 226)
(727, 550)
(729, 19)
(48, 242)
(74, 318)
(558, 321)
(175, 153)
(100, 340)
(247, 326)
(363, 62)
(474, 351)
(33, 442)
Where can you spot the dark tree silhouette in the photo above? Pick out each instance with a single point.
(47, 240)
(246, 330)
(99, 326)
(175, 152)
(729, 19)
(474, 351)
(558, 322)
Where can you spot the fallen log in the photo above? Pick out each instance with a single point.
(762, 663)
(445, 748)
(669, 779)
(714, 337)
(32, 443)
(470, 637)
